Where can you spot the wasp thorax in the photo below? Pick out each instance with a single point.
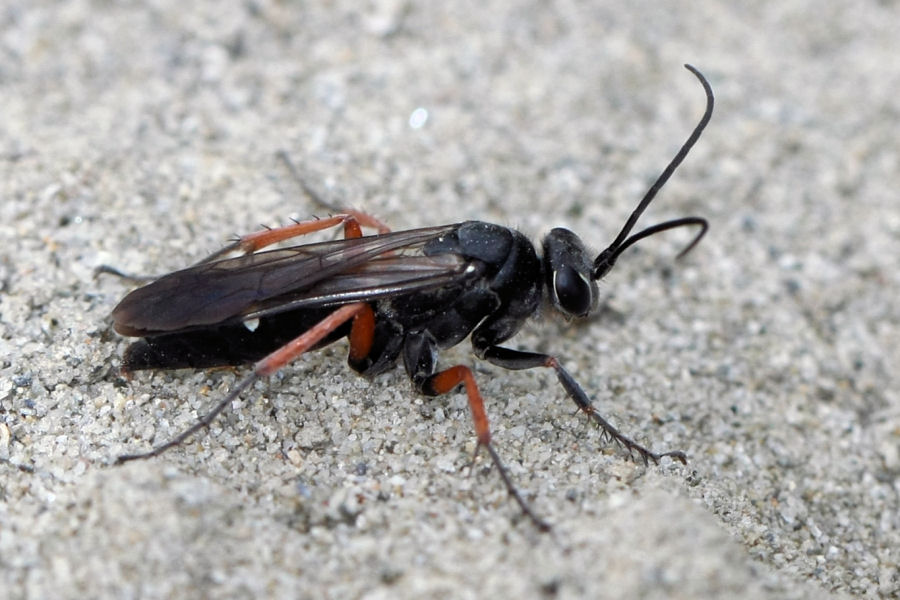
(567, 267)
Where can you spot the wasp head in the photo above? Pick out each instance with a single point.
(568, 272)
(571, 276)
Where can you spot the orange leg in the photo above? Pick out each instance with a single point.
(250, 243)
(256, 241)
(352, 220)
(447, 380)
(267, 366)
(363, 218)
(362, 334)
(302, 343)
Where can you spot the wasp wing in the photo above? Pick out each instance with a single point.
(262, 283)
(381, 277)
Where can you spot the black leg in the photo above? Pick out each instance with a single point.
(518, 360)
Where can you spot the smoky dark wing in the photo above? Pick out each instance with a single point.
(381, 277)
(211, 293)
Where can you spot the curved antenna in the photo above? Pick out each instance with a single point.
(665, 226)
(606, 259)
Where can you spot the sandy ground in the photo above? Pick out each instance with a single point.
(144, 135)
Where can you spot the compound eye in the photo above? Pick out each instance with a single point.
(573, 291)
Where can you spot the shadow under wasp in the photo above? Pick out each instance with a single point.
(396, 295)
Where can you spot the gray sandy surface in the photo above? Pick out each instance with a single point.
(145, 135)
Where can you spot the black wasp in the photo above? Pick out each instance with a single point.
(395, 295)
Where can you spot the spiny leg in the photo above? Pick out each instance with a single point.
(419, 358)
(284, 157)
(364, 218)
(352, 219)
(446, 381)
(252, 242)
(265, 367)
(517, 360)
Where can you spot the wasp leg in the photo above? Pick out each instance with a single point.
(250, 243)
(353, 221)
(110, 270)
(419, 355)
(364, 218)
(517, 360)
(268, 365)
